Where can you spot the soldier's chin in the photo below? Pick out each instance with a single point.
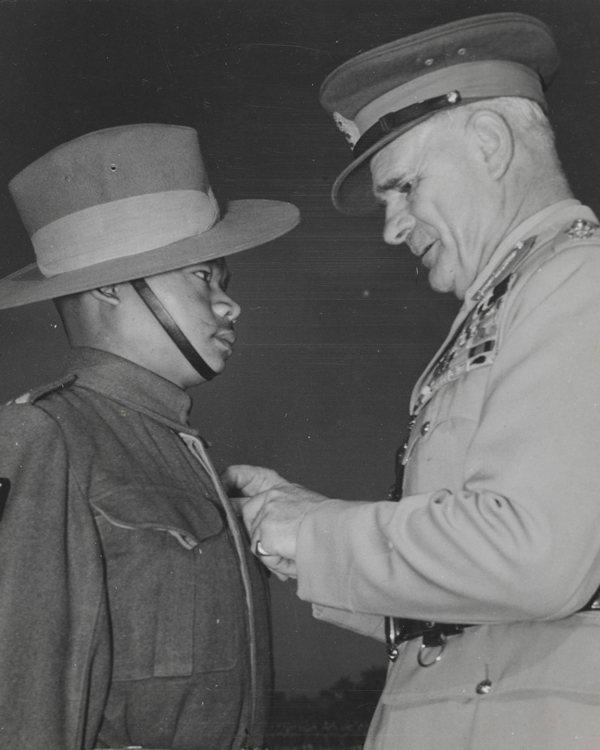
(218, 364)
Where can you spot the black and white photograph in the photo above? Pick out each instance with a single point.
(299, 375)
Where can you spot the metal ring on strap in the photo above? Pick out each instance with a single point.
(441, 645)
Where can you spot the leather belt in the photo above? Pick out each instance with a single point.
(435, 634)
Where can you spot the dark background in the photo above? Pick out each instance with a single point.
(336, 326)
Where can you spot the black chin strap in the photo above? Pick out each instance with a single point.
(174, 331)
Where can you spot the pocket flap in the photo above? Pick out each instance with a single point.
(163, 508)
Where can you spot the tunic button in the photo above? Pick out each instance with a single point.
(425, 428)
(484, 687)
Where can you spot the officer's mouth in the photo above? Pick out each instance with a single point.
(424, 254)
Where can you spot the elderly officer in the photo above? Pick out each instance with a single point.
(492, 557)
(132, 614)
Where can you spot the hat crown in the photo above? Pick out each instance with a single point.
(106, 166)
(126, 203)
(496, 36)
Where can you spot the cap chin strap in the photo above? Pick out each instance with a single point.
(394, 120)
(178, 337)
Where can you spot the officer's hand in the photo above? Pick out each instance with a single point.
(249, 480)
(273, 518)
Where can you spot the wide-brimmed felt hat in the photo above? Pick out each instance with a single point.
(385, 92)
(126, 203)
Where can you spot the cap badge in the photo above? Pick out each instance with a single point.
(348, 128)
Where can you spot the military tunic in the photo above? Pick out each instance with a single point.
(124, 617)
(499, 523)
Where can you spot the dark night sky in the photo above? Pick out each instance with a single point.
(336, 326)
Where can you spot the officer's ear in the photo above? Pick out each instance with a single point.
(494, 139)
(110, 294)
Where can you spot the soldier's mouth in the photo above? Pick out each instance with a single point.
(226, 337)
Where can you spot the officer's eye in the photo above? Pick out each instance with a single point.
(406, 187)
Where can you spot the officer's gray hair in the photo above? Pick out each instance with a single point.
(526, 119)
(528, 123)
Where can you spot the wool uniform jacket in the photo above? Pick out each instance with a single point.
(499, 524)
(123, 614)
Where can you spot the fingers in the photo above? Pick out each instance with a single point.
(254, 483)
(235, 478)
(272, 516)
(251, 508)
(249, 480)
(279, 566)
(237, 503)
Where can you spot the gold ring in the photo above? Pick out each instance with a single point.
(260, 550)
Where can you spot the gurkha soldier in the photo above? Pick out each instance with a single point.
(132, 612)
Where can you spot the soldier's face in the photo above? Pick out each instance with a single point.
(196, 298)
(438, 200)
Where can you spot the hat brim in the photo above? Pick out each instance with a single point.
(352, 192)
(246, 224)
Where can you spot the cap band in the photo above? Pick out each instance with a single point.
(394, 120)
(478, 80)
(122, 228)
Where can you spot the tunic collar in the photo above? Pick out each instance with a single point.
(130, 384)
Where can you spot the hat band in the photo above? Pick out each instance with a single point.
(478, 80)
(122, 228)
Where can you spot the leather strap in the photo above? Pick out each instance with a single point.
(394, 120)
(178, 337)
(400, 629)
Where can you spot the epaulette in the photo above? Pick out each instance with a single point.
(577, 232)
(30, 397)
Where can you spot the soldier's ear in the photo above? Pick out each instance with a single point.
(110, 294)
(494, 138)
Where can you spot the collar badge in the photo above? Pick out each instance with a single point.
(581, 229)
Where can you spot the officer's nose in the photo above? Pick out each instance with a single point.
(398, 223)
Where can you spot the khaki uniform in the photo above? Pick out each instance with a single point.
(500, 520)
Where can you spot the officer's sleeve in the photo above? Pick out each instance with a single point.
(357, 622)
(50, 601)
(519, 539)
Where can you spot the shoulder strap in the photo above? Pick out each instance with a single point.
(30, 397)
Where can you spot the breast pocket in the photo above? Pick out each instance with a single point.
(154, 543)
